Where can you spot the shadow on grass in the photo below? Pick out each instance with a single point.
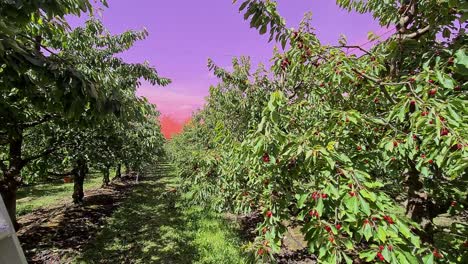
(30, 198)
(147, 228)
(50, 233)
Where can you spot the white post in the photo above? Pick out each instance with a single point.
(10, 248)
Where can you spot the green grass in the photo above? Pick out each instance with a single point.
(31, 198)
(153, 226)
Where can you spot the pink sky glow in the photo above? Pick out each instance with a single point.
(184, 34)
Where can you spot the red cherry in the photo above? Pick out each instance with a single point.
(338, 226)
(260, 251)
(432, 92)
(395, 143)
(381, 247)
(431, 161)
(315, 195)
(389, 219)
(380, 256)
(450, 60)
(425, 113)
(266, 158)
(350, 185)
(444, 132)
(366, 222)
(359, 148)
(331, 239)
(431, 122)
(328, 228)
(324, 196)
(453, 203)
(269, 214)
(437, 254)
(423, 156)
(412, 80)
(431, 81)
(322, 85)
(347, 120)
(376, 100)
(413, 103)
(352, 194)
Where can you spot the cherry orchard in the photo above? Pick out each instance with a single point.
(365, 153)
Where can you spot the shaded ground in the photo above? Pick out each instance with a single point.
(152, 226)
(30, 198)
(51, 233)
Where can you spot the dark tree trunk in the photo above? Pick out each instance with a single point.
(106, 172)
(127, 169)
(8, 191)
(118, 172)
(12, 174)
(420, 208)
(79, 175)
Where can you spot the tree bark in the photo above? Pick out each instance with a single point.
(79, 175)
(8, 192)
(106, 180)
(420, 208)
(127, 169)
(12, 174)
(118, 172)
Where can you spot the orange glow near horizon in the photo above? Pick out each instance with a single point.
(170, 127)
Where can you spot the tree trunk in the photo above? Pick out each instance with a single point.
(127, 169)
(12, 174)
(79, 175)
(106, 180)
(118, 172)
(8, 192)
(420, 208)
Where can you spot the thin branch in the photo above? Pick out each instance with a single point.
(40, 155)
(353, 47)
(380, 83)
(44, 119)
(60, 174)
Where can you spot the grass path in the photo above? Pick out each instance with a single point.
(152, 226)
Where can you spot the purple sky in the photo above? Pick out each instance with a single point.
(184, 34)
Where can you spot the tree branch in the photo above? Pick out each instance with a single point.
(39, 155)
(353, 47)
(416, 34)
(379, 82)
(37, 122)
(60, 174)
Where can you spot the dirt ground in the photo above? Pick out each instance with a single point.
(55, 234)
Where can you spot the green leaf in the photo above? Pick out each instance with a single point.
(381, 234)
(300, 201)
(364, 207)
(404, 230)
(367, 231)
(368, 195)
(428, 259)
